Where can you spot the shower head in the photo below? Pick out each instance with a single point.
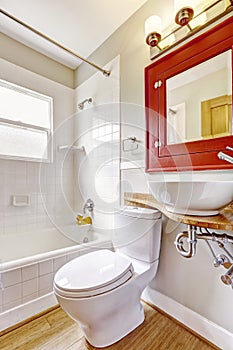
(87, 100)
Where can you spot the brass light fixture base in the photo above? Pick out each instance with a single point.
(184, 16)
(153, 39)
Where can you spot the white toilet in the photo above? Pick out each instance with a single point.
(101, 290)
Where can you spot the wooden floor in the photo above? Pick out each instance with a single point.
(56, 331)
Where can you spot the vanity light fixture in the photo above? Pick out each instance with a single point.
(194, 15)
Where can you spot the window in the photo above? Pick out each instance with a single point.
(25, 123)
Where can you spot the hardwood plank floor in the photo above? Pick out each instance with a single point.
(56, 331)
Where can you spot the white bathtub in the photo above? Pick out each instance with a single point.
(28, 263)
(39, 245)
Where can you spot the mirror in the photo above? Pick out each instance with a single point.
(188, 99)
(199, 101)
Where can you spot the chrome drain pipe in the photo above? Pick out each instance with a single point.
(190, 237)
(186, 242)
(215, 237)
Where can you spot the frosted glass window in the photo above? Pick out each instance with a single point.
(25, 123)
(18, 142)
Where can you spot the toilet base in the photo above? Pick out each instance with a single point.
(108, 317)
(109, 332)
(104, 324)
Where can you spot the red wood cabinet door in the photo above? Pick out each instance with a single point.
(195, 155)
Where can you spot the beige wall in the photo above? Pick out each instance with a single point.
(21, 55)
(128, 41)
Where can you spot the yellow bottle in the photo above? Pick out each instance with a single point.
(87, 220)
(80, 220)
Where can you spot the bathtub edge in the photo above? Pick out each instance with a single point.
(20, 313)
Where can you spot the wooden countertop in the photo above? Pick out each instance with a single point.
(222, 221)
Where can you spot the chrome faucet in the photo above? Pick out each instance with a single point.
(89, 205)
(226, 157)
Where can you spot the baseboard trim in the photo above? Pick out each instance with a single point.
(208, 330)
(22, 313)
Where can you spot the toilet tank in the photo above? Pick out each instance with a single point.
(137, 233)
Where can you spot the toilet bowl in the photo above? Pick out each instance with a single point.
(101, 290)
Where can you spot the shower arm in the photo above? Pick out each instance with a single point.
(87, 100)
(106, 73)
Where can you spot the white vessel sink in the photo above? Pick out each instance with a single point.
(201, 198)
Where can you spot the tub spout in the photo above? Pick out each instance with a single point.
(89, 205)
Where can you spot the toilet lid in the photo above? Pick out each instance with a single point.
(92, 274)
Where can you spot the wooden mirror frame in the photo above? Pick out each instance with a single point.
(194, 155)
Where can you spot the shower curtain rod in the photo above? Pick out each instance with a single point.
(105, 72)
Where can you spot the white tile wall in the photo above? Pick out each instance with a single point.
(23, 284)
(12, 293)
(58, 262)
(29, 272)
(48, 198)
(133, 180)
(11, 277)
(98, 129)
(45, 267)
(29, 287)
(45, 283)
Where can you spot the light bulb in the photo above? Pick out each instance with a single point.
(180, 4)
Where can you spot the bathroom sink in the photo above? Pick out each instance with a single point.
(201, 198)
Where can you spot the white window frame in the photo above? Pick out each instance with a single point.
(19, 124)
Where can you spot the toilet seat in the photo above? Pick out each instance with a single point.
(92, 274)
